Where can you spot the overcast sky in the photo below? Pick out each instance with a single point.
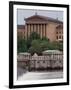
(21, 14)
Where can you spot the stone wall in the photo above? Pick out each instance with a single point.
(44, 62)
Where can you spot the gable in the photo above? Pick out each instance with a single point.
(39, 18)
(35, 18)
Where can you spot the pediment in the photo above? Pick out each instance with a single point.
(39, 18)
(36, 18)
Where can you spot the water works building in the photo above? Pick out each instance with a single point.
(50, 60)
(44, 26)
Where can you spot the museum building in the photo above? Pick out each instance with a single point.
(45, 26)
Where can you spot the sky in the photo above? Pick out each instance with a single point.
(24, 13)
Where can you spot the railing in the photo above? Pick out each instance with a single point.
(52, 62)
(48, 57)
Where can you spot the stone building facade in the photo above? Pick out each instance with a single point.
(44, 26)
(44, 62)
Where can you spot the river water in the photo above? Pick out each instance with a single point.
(25, 75)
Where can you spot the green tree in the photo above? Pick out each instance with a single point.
(34, 35)
(34, 44)
(46, 39)
(37, 46)
(60, 46)
(55, 45)
(21, 44)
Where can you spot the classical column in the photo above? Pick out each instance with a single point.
(35, 27)
(45, 30)
(26, 29)
(31, 28)
(41, 30)
(38, 28)
(24, 34)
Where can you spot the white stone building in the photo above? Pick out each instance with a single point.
(50, 59)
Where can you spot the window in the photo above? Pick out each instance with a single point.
(54, 61)
(56, 32)
(59, 37)
(38, 62)
(56, 37)
(60, 62)
(43, 61)
(60, 32)
(62, 37)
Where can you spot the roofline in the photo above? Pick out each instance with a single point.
(47, 19)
